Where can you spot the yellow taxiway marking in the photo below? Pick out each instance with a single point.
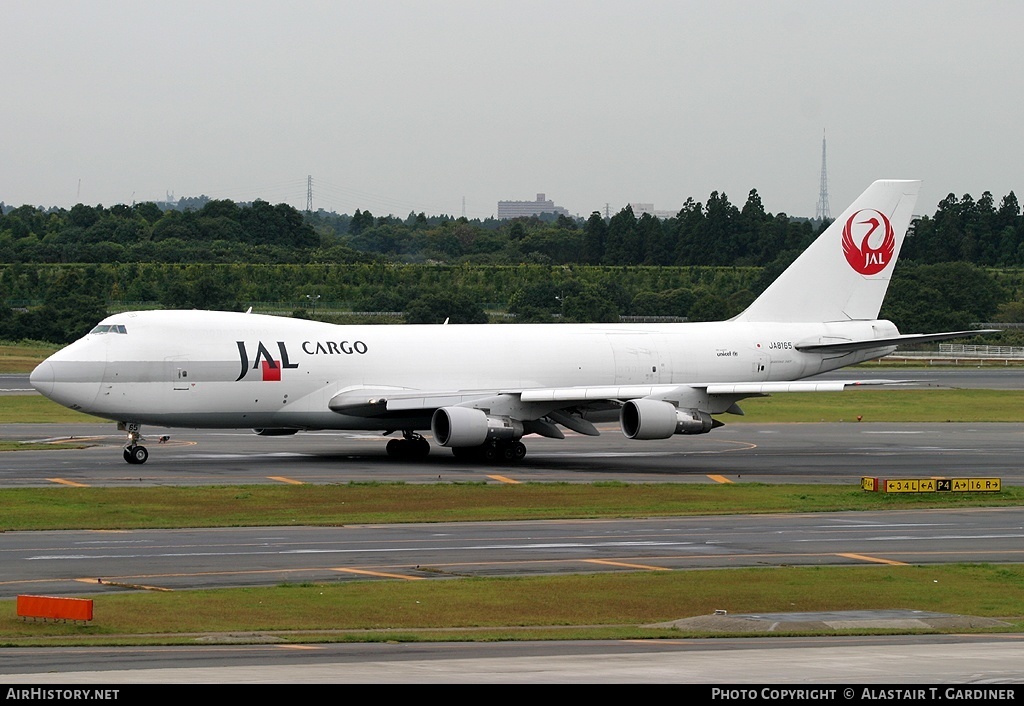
(624, 564)
(282, 479)
(719, 479)
(873, 559)
(379, 573)
(300, 647)
(503, 479)
(72, 483)
(140, 586)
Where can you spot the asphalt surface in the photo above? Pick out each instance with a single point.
(766, 453)
(904, 663)
(90, 563)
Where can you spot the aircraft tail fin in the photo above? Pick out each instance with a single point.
(844, 274)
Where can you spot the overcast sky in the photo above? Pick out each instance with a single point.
(397, 106)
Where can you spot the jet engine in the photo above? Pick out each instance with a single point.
(275, 432)
(464, 426)
(657, 419)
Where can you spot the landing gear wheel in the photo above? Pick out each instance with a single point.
(518, 450)
(465, 453)
(421, 447)
(133, 453)
(136, 454)
(412, 446)
(492, 452)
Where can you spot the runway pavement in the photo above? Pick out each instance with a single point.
(982, 668)
(90, 454)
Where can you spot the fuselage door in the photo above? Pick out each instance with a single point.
(178, 370)
(761, 365)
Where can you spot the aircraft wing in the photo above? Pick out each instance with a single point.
(537, 402)
(582, 394)
(376, 401)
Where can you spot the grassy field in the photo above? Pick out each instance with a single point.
(604, 605)
(22, 357)
(607, 605)
(36, 409)
(885, 405)
(376, 503)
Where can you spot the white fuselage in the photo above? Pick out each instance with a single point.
(231, 370)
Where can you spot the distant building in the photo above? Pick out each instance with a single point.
(640, 209)
(520, 209)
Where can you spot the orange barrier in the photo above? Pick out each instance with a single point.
(55, 608)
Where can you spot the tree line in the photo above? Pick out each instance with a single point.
(61, 302)
(714, 233)
(64, 268)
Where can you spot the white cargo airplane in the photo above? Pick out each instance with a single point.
(480, 388)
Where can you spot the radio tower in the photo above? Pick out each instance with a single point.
(309, 194)
(823, 213)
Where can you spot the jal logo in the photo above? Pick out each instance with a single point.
(270, 367)
(868, 226)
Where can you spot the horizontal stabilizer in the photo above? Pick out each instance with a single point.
(843, 346)
(750, 389)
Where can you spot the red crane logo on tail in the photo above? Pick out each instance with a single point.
(866, 259)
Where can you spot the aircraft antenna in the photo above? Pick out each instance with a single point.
(309, 194)
(823, 213)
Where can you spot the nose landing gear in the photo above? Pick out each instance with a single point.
(134, 452)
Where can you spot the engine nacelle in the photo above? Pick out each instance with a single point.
(464, 426)
(275, 432)
(657, 419)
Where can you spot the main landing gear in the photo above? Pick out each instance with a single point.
(411, 445)
(497, 451)
(134, 452)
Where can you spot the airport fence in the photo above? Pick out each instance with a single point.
(964, 354)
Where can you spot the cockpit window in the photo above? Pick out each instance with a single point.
(109, 328)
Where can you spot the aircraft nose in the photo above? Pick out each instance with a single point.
(42, 378)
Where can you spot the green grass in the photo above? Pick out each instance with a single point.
(360, 503)
(36, 409)
(22, 357)
(605, 605)
(885, 405)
